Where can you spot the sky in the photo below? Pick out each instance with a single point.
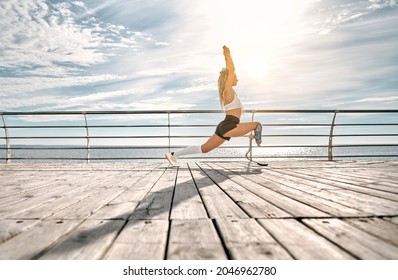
(166, 55)
(135, 55)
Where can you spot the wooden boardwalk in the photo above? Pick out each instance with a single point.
(201, 210)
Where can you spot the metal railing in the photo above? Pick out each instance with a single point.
(8, 137)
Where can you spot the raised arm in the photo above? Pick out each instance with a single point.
(228, 61)
(228, 94)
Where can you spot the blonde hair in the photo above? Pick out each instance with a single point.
(222, 79)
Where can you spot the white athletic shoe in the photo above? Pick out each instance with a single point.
(171, 159)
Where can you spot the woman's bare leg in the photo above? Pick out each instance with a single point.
(242, 129)
(213, 142)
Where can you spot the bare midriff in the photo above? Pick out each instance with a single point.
(234, 112)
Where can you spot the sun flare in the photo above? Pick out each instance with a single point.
(258, 32)
(256, 67)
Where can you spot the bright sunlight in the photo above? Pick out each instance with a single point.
(256, 67)
(257, 31)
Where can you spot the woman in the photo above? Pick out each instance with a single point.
(230, 126)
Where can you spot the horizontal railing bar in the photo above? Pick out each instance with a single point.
(359, 135)
(110, 126)
(101, 137)
(141, 158)
(365, 145)
(325, 124)
(146, 158)
(120, 147)
(358, 156)
(189, 125)
(364, 124)
(212, 157)
(141, 137)
(221, 147)
(190, 111)
(190, 136)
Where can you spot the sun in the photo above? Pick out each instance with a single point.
(256, 67)
(259, 33)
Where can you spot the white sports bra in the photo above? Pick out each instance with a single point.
(235, 104)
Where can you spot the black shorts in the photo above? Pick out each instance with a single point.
(230, 122)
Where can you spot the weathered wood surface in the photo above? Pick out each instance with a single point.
(201, 210)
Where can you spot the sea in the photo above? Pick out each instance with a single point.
(44, 153)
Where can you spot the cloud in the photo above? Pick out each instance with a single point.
(381, 4)
(39, 33)
(332, 71)
(330, 17)
(38, 37)
(377, 99)
(12, 86)
(125, 55)
(48, 45)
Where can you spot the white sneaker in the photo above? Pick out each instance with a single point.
(171, 159)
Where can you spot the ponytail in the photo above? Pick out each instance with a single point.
(222, 79)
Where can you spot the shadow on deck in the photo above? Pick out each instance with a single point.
(202, 210)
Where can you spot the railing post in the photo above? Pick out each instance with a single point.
(168, 127)
(8, 145)
(88, 138)
(251, 140)
(330, 146)
(250, 151)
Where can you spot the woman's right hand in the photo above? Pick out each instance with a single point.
(226, 51)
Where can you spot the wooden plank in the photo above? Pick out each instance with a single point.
(362, 202)
(54, 188)
(33, 242)
(39, 182)
(383, 172)
(90, 183)
(378, 227)
(12, 180)
(369, 179)
(289, 205)
(138, 185)
(140, 240)
(359, 243)
(65, 195)
(302, 242)
(11, 228)
(217, 203)
(50, 207)
(157, 203)
(371, 187)
(124, 205)
(194, 240)
(37, 187)
(361, 177)
(86, 207)
(187, 203)
(85, 201)
(254, 205)
(378, 198)
(45, 180)
(325, 197)
(301, 192)
(89, 241)
(28, 204)
(392, 219)
(245, 239)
